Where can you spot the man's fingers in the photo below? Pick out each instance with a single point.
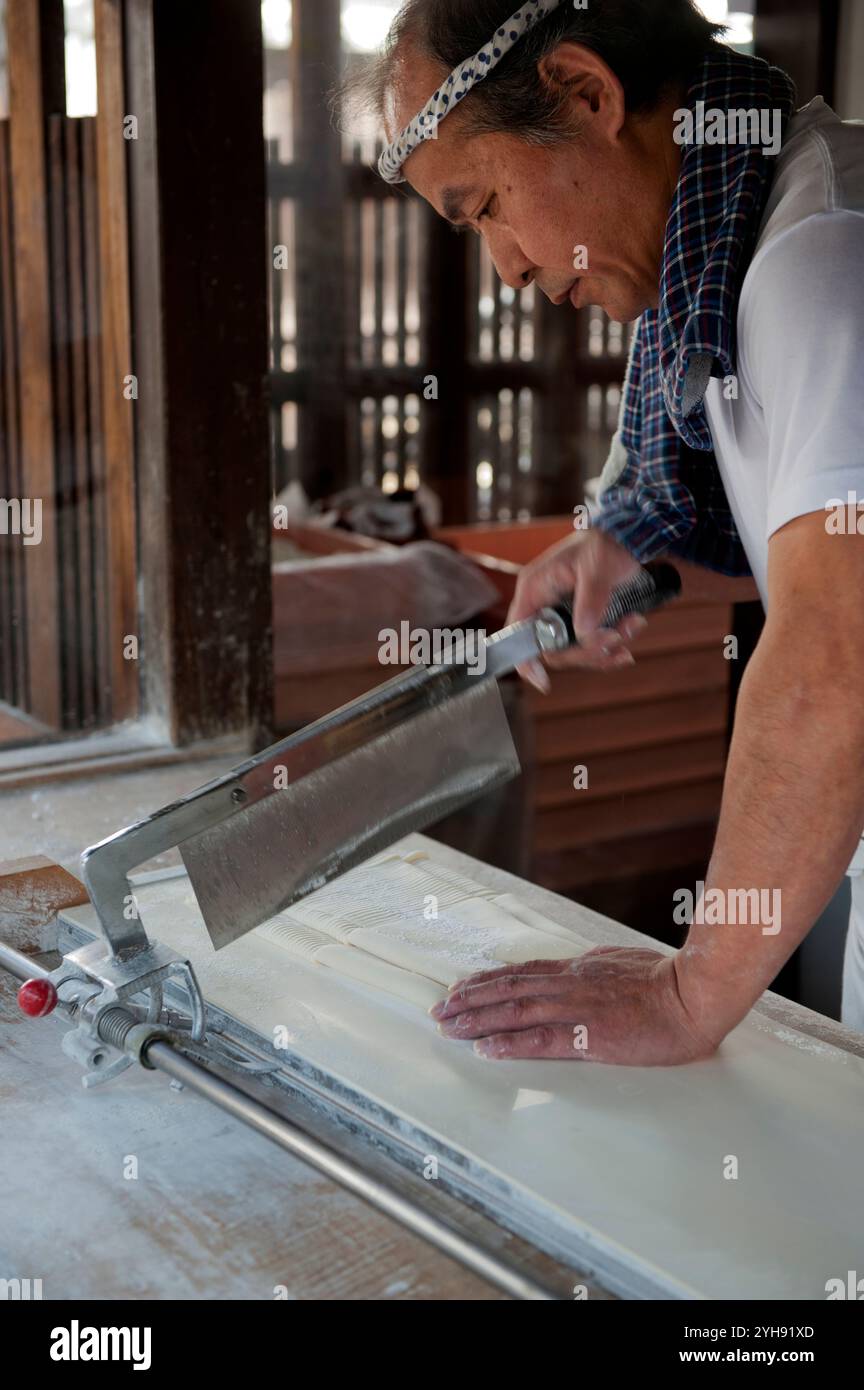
(598, 655)
(603, 650)
(606, 649)
(543, 584)
(585, 573)
(516, 1014)
(500, 989)
(535, 674)
(591, 597)
(577, 660)
(527, 967)
(603, 570)
(547, 1040)
(631, 626)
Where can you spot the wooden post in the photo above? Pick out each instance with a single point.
(557, 480)
(118, 447)
(320, 288)
(13, 637)
(35, 34)
(801, 37)
(446, 426)
(199, 312)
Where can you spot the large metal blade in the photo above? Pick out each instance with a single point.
(325, 818)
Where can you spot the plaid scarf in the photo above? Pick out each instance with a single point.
(662, 488)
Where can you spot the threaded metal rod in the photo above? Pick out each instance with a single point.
(115, 1025)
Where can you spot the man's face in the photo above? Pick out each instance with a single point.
(606, 189)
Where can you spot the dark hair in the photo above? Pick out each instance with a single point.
(651, 45)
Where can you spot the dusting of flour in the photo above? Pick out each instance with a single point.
(370, 899)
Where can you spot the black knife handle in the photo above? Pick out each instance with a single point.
(654, 585)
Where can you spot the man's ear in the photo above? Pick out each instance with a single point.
(589, 83)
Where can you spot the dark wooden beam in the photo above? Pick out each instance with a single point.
(199, 312)
(556, 478)
(446, 420)
(35, 36)
(320, 288)
(800, 36)
(13, 644)
(117, 453)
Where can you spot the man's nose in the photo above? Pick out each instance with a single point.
(512, 266)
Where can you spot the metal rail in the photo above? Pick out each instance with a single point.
(21, 966)
(231, 1099)
(163, 1056)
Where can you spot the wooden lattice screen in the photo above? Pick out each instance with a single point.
(67, 599)
(372, 294)
(130, 440)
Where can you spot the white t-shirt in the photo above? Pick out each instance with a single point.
(793, 440)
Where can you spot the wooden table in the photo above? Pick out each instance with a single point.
(135, 1190)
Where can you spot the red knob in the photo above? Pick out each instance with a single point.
(37, 998)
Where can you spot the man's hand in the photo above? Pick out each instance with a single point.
(585, 568)
(613, 1004)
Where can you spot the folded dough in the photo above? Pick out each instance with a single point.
(532, 918)
(372, 924)
(320, 949)
(406, 984)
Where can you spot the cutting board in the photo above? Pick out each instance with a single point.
(623, 1171)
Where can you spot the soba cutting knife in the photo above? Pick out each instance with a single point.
(313, 805)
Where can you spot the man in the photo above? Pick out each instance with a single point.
(617, 154)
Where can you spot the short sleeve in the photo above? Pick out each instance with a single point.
(801, 351)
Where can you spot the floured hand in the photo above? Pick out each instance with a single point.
(613, 1004)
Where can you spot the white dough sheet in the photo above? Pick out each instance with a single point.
(412, 928)
(736, 1177)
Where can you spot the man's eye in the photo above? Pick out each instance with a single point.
(486, 211)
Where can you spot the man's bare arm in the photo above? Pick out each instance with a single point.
(793, 810)
(793, 801)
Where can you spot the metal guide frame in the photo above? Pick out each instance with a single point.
(359, 1117)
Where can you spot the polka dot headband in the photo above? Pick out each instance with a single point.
(458, 85)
